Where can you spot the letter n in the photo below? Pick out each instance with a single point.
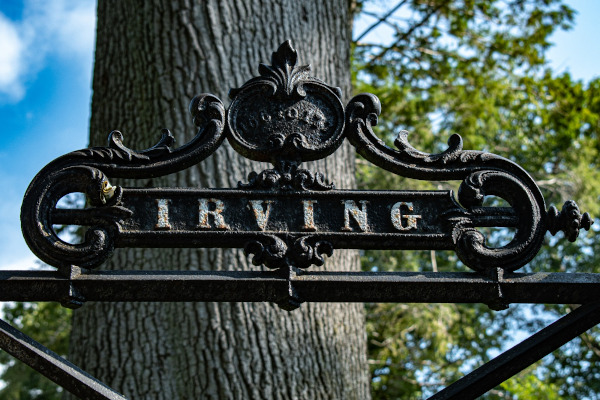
(359, 215)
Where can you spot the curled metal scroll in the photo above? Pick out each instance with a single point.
(287, 176)
(275, 253)
(286, 117)
(482, 174)
(87, 171)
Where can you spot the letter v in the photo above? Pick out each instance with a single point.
(261, 215)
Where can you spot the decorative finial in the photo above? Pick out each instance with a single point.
(569, 220)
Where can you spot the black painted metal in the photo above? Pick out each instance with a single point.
(294, 216)
(288, 218)
(52, 366)
(255, 220)
(523, 355)
(309, 286)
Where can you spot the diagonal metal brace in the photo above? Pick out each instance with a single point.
(523, 355)
(52, 366)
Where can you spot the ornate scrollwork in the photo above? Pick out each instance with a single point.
(285, 114)
(37, 220)
(267, 250)
(362, 114)
(470, 243)
(87, 171)
(116, 150)
(308, 251)
(286, 117)
(287, 177)
(275, 253)
(482, 174)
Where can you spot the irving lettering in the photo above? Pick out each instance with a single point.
(215, 214)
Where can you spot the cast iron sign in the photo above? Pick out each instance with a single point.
(288, 216)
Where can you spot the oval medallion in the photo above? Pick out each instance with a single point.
(285, 113)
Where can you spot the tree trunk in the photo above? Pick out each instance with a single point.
(152, 57)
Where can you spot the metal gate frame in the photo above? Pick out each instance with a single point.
(433, 287)
(286, 117)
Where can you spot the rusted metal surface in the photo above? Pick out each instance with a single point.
(297, 221)
(289, 218)
(309, 286)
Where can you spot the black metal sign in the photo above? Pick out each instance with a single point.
(288, 216)
(290, 228)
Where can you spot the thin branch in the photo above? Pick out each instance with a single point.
(434, 267)
(369, 45)
(380, 20)
(387, 21)
(591, 343)
(410, 31)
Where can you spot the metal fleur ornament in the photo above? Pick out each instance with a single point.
(285, 78)
(289, 217)
(285, 115)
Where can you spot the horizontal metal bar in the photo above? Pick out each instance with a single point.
(272, 286)
(482, 216)
(448, 287)
(523, 355)
(226, 239)
(143, 286)
(54, 367)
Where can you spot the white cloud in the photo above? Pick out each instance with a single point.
(11, 49)
(63, 28)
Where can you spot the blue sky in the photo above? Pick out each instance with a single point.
(46, 53)
(46, 56)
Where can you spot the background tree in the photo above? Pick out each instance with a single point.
(473, 67)
(152, 57)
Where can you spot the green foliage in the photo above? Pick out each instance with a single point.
(478, 68)
(48, 323)
(529, 386)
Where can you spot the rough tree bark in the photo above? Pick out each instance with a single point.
(152, 57)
